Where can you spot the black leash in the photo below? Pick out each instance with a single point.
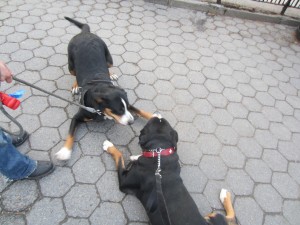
(160, 196)
(13, 120)
(89, 109)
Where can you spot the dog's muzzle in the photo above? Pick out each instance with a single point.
(126, 119)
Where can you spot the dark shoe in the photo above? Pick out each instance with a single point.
(43, 168)
(19, 140)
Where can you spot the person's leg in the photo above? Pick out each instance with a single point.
(13, 164)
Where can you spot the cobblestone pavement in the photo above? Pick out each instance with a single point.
(230, 87)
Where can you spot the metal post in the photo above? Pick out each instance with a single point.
(285, 7)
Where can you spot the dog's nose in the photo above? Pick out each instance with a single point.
(127, 119)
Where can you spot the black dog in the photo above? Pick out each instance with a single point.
(169, 203)
(89, 60)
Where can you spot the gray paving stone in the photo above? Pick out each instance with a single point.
(186, 132)
(209, 144)
(289, 150)
(20, 196)
(275, 160)
(243, 127)
(217, 100)
(202, 106)
(212, 193)
(232, 157)
(81, 200)
(88, 169)
(268, 198)
(53, 117)
(222, 117)
(103, 214)
(188, 174)
(49, 136)
(58, 183)
(239, 182)
(205, 124)
(73, 221)
(163, 87)
(29, 122)
(275, 219)
(184, 113)
(266, 139)
(134, 209)
(189, 153)
(182, 97)
(108, 187)
(258, 170)
(213, 167)
(248, 212)
(7, 219)
(290, 209)
(46, 211)
(294, 171)
(120, 135)
(227, 135)
(180, 82)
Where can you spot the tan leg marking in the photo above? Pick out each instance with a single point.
(72, 72)
(228, 206)
(69, 142)
(75, 85)
(117, 155)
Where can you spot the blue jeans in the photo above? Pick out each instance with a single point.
(13, 164)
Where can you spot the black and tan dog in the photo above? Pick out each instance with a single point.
(171, 203)
(89, 60)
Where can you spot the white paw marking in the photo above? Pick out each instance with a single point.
(107, 144)
(134, 157)
(63, 154)
(223, 195)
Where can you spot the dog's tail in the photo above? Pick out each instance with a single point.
(82, 26)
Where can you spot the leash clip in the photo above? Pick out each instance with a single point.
(158, 170)
(98, 112)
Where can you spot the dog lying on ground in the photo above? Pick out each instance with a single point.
(170, 203)
(89, 60)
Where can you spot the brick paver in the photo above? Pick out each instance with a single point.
(230, 87)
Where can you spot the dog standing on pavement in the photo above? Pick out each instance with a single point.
(89, 60)
(166, 200)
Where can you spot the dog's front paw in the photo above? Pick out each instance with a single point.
(114, 76)
(75, 90)
(107, 144)
(63, 154)
(223, 195)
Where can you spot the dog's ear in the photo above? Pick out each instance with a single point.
(142, 138)
(174, 136)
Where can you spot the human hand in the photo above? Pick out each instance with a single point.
(5, 73)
